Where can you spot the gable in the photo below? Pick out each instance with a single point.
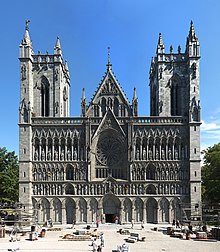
(109, 94)
(109, 122)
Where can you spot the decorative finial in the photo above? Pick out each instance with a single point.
(109, 61)
(26, 25)
(171, 49)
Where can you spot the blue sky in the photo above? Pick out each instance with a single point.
(87, 28)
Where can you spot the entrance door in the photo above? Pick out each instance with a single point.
(111, 206)
(109, 218)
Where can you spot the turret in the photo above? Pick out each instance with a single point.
(57, 48)
(160, 47)
(135, 103)
(192, 43)
(26, 50)
(83, 103)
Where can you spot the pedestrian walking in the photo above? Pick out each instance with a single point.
(102, 240)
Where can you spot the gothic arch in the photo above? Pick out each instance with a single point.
(175, 209)
(44, 210)
(150, 172)
(57, 210)
(82, 208)
(93, 207)
(176, 95)
(116, 106)
(127, 206)
(138, 204)
(151, 207)
(150, 189)
(69, 189)
(45, 96)
(111, 205)
(164, 210)
(70, 207)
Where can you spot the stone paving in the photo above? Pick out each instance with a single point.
(155, 241)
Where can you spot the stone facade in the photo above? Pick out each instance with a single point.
(109, 163)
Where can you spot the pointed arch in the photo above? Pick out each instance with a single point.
(103, 106)
(93, 205)
(82, 207)
(127, 206)
(45, 96)
(151, 207)
(176, 95)
(151, 189)
(116, 106)
(138, 209)
(57, 210)
(150, 172)
(164, 210)
(70, 206)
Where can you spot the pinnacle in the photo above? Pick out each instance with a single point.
(160, 41)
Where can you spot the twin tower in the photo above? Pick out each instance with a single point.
(109, 162)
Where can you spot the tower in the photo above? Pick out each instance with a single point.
(44, 93)
(174, 92)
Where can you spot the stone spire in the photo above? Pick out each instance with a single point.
(109, 60)
(26, 40)
(160, 44)
(135, 94)
(57, 48)
(192, 43)
(192, 34)
(83, 103)
(135, 103)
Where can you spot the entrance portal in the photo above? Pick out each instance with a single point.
(111, 206)
(109, 218)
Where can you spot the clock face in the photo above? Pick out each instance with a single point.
(109, 151)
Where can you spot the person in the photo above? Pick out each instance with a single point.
(102, 240)
(174, 223)
(142, 225)
(177, 224)
(132, 223)
(124, 248)
(94, 245)
(74, 223)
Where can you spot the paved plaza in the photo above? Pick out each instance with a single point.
(155, 241)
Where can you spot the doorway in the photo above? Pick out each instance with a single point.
(109, 218)
(111, 206)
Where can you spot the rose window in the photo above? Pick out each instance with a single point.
(109, 151)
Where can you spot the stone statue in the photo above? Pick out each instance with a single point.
(144, 154)
(68, 155)
(75, 154)
(157, 154)
(137, 154)
(163, 154)
(36, 155)
(176, 154)
(56, 155)
(169, 154)
(62, 155)
(150, 155)
(43, 155)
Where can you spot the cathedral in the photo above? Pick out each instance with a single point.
(109, 163)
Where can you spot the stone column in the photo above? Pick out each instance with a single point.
(40, 147)
(158, 215)
(144, 213)
(52, 151)
(65, 150)
(63, 215)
